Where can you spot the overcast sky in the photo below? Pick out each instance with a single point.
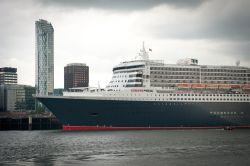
(102, 33)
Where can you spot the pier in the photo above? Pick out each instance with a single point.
(28, 121)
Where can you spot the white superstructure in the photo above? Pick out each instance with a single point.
(186, 81)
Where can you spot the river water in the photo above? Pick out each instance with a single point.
(140, 148)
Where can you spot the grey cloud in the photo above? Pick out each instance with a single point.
(239, 50)
(224, 20)
(122, 4)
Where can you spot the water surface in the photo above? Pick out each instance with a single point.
(142, 148)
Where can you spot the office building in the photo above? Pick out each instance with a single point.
(76, 75)
(17, 98)
(44, 58)
(8, 75)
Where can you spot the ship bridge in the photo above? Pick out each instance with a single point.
(133, 73)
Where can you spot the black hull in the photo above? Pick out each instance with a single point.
(90, 112)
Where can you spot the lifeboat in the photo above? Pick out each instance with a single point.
(198, 86)
(184, 86)
(246, 87)
(223, 86)
(211, 86)
(235, 86)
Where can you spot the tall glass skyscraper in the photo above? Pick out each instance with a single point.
(44, 58)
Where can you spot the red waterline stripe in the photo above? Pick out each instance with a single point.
(109, 128)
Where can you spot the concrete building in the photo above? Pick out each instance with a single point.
(76, 75)
(44, 58)
(8, 75)
(17, 98)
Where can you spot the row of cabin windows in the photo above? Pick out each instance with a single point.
(190, 95)
(175, 73)
(174, 69)
(198, 73)
(225, 113)
(215, 95)
(162, 82)
(223, 74)
(198, 77)
(198, 69)
(126, 72)
(211, 99)
(196, 99)
(118, 81)
(119, 76)
(9, 77)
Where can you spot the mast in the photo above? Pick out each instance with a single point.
(143, 53)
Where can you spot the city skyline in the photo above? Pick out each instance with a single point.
(103, 35)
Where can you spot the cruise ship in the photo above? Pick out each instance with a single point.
(146, 94)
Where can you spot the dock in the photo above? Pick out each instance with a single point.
(28, 121)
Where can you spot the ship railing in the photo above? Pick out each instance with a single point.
(85, 89)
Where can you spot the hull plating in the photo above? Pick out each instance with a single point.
(119, 115)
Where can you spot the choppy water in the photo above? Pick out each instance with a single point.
(142, 148)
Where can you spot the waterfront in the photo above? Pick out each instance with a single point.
(28, 121)
(180, 147)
